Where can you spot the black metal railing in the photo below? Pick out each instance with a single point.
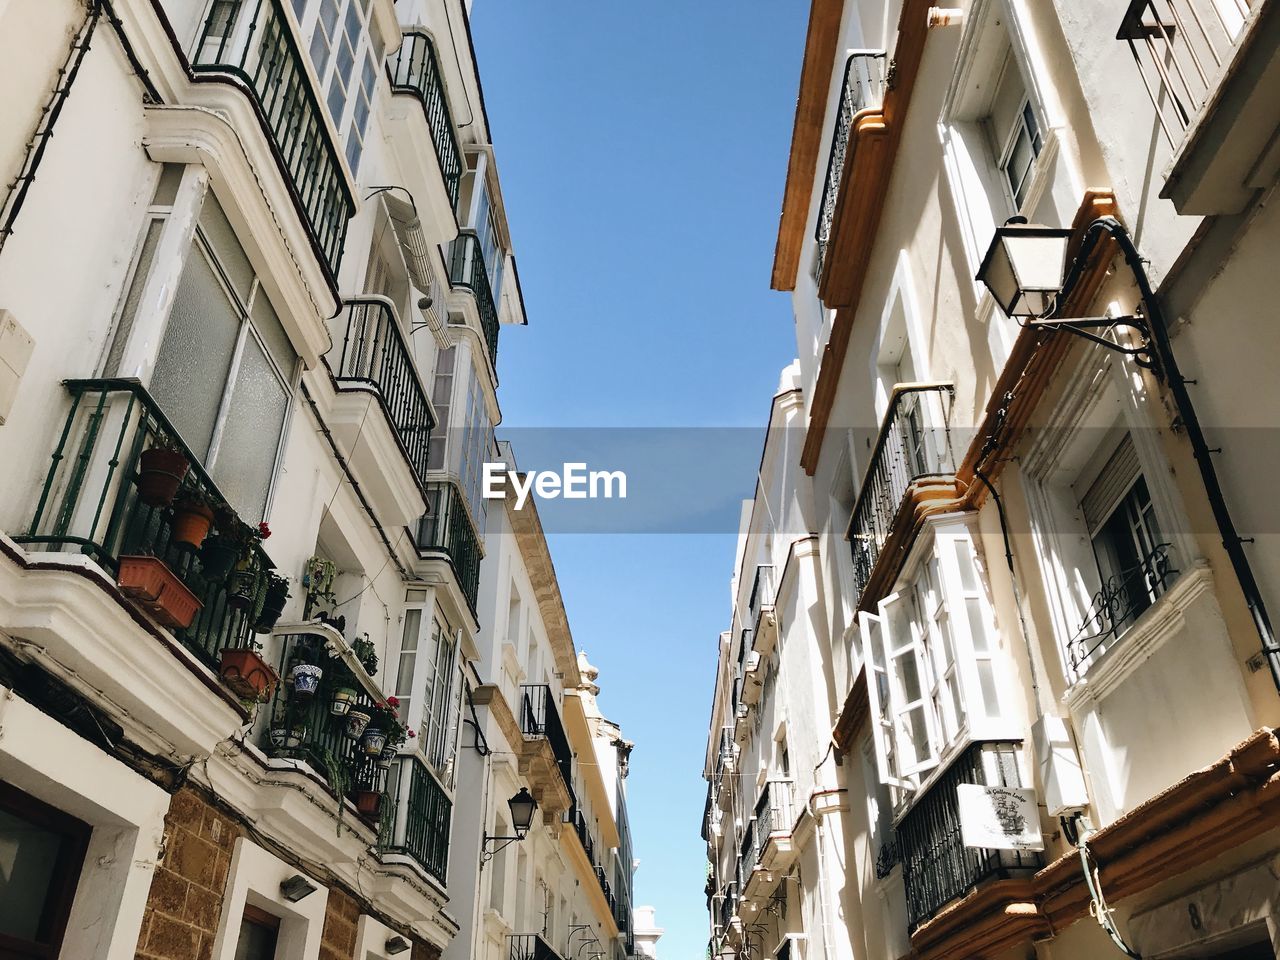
(762, 593)
(529, 946)
(90, 504)
(748, 854)
(423, 814)
(374, 352)
(415, 69)
(447, 529)
(467, 269)
(603, 881)
(936, 865)
(728, 908)
(1120, 601)
(724, 754)
(304, 727)
(253, 42)
(862, 89)
(583, 830)
(774, 813)
(1179, 47)
(539, 717)
(914, 444)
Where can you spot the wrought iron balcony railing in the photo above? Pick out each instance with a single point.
(420, 826)
(90, 503)
(774, 813)
(762, 593)
(447, 529)
(374, 352)
(861, 89)
(914, 444)
(304, 727)
(467, 269)
(748, 854)
(539, 717)
(529, 946)
(728, 908)
(936, 865)
(415, 69)
(1120, 601)
(1179, 47)
(253, 42)
(583, 831)
(724, 755)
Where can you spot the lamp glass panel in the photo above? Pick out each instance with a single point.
(1037, 260)
(999, 277)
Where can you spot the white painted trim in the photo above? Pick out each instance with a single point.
(255, 878)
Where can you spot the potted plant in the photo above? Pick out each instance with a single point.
(246, 673)
(356, 722)
(242, 584)
(287, 733)
(304, 672)
(368, 802)
(341, 700)
(273, 599)
(156, 588)
(384, 724)
(161, 470)
(364, 650)
(221, 551)
(396, 738)
(192, 518)
(317, 579)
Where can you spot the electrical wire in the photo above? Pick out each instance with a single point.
(1098, 908)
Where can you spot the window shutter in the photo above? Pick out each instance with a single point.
(873, 658)
(915, 740)
(1111, 484)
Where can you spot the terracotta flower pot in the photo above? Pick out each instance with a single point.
(247, 674)
(156, 588)
(217, 557)
(160, 473)
(368, 802)
(191, 523)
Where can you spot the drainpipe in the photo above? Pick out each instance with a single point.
(823, 894)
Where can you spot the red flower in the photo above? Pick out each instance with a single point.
(393, 702)
(412, 734)
(264, 531)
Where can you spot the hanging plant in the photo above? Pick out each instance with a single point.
(161, 469)
(271, 603)
(341, 700)
(357, 720)
(364, 651)
(192, 518)
(318, 577)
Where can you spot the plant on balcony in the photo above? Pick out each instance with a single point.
(242, 584)
(272, 601)
(317, 579)
(161, 469)
(288, 734)
(397, 736)
(341, 700)
(383, 728)
(149, 582)
(355, 723)
(364, 650)
(221, 551)
(192, 518)
(368, 802)
(305, 672)
(246, 673)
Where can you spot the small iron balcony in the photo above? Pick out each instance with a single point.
(530, 946)
(861, 89)
(914, 444)
(374, 352)
(1120, 601)
(936, 865)
(447, 529)
(762, 594)
(253, 43)
(539, 717)
(420, 826)
(91, 503)
(1179, 47)
(467, 269)
(414, 69)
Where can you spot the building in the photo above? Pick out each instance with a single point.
(1034, 532)
(254, 265)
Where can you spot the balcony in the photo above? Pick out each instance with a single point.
(420, 826)
(446, 528)
(936, 865)
(727, 913)
(529, 946)
(767, 850)
(911, 465)
(303, 728)
(862, 89)
(253, 44)
(1120, 601)
(90, 504)
(584, 834)
(374, 354)
(546, 758)
(467, 270)
(415, 70)
(760, 610)
(1209, 67)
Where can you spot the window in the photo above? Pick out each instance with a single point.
(1019, 154)
(429, 678)
(225, 366)
(441, 399)
(259, 932)
(477, 447)
(41, 853)
(931, 676)
(486, 227)
(347, 51)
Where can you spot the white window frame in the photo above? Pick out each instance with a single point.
(437, 686)
(255, 877)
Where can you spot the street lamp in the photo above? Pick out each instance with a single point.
(1025, 267)
(1026, 271)
(522, 806)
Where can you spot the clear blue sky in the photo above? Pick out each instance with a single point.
(642, 149)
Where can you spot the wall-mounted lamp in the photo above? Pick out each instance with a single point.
(396, 945)
(296, 888)
(523, 806)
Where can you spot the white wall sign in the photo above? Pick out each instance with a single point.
(999, 818)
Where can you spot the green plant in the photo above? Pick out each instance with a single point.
(317, 579)
(364, 650)
(340, 781)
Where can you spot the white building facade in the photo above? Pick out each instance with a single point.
(253, 269)
(1037, 634)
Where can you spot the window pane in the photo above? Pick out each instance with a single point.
(408, 657)
(222, 240)
(246, 456)
(328, 17)
(267, 324)
(195, 355)
(319, 51)
(28, 857)
(257, 942)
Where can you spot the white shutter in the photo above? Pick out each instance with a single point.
(878, 703)
(913, 723)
